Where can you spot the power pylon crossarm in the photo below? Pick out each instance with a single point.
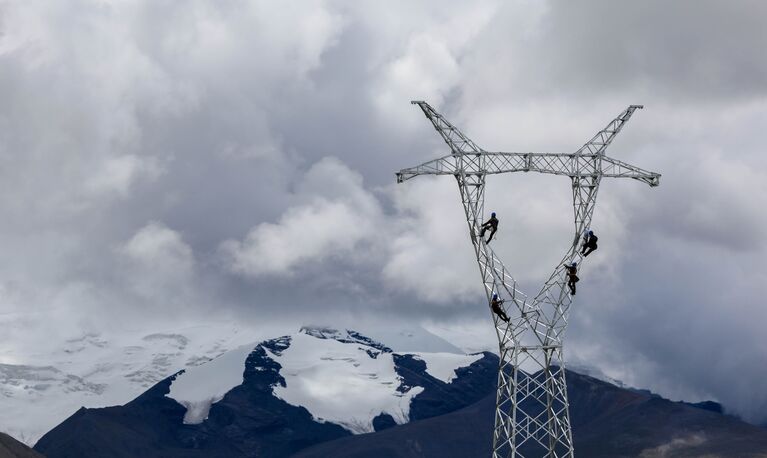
(532, 412)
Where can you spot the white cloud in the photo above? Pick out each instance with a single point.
(332, 216)
(157, 247)
(306, 233)
(676, 445)
(160, 265)
(427, 65)
(426, 71)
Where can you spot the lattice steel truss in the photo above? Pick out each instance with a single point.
(531, 418)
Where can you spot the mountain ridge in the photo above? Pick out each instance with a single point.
(325, 392)
(251, 420)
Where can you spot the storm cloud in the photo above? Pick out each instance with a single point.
(166, 159)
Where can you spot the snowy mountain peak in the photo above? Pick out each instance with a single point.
(345, 336)
(343, 377)
(339, 376)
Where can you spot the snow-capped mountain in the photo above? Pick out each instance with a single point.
(280, 395)
(313, 392)
(40, 390)
(340, 377)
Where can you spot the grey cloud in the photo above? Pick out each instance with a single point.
(689, 51)
(203, 122)
(336, 215)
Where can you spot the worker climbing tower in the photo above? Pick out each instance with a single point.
(531, 415)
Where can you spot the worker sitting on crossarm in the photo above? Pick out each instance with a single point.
(589, 243)
(491, 224)
(572, 277)
(495, 304)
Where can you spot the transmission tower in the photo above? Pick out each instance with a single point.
(532, 412)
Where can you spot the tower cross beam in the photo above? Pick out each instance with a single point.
(566, 164)
(532, 414)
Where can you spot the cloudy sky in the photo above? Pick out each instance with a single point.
(236, 159)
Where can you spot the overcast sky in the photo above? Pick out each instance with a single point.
(235, 158)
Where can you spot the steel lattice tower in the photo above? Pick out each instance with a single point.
(531, 416)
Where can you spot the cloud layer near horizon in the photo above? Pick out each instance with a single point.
(237, 158)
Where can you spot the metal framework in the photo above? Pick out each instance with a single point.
(531, 416)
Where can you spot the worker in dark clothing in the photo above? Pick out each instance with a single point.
(572, 277)
(589, 243)
(495, 304)
(491, 224)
